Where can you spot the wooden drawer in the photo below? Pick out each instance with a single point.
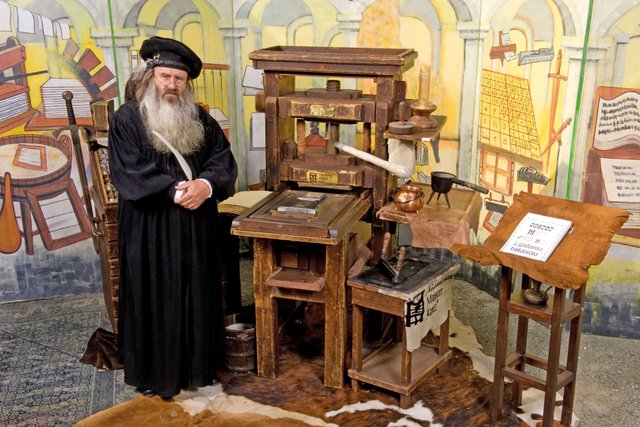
(355, 176)
(352, 177)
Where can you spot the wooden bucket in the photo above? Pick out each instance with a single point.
(240, 347)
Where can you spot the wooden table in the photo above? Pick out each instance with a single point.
(436, 225)
(305, 258)
(423, 295)
(422, 136)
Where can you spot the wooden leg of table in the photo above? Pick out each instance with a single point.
(397, 323)
(405, 400)
(553, 361)
(267, 339)
(521, 349)
(443, 343)
(406, 360)
(335, 322)
(501, 344)
(356, 345)
(573, 350)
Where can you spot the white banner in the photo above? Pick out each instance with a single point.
(427, 311)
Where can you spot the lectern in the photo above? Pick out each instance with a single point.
(566, 271)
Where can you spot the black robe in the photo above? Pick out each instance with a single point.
(169, 333)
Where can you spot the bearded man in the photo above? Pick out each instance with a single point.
(169, 161)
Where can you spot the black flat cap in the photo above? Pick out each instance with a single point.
(163, 52)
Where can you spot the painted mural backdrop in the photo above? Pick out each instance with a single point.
(540, 96)
(44, 228)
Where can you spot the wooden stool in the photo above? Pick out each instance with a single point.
(555, 313)
(414, 300)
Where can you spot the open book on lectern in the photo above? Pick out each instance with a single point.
(536, 236)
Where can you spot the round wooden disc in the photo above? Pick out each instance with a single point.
(401, 128)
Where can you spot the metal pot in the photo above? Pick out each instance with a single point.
(441, 182)
(408, 198)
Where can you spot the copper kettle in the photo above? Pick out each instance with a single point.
(408, 197)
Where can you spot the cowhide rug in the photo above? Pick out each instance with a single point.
(207, 406)
(461, 396)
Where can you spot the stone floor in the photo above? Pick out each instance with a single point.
(43, 384)
(608, 382)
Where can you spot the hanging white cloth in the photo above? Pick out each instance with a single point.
(26, 23)
(5, 17)
(47, 26)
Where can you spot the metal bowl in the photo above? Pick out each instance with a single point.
(408, 198)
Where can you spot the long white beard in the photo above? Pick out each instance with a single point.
(177, 121)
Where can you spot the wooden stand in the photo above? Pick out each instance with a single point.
(392, 366)
(422, 117)
(566, 269)
(555, 313)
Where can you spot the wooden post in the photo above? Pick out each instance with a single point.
(501, 343)
(301, 129)
(335, 306)
(267, 340)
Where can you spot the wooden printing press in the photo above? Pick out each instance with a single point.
(304, 236)
(292, 161)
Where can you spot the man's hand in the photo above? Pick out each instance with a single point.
(195, 192)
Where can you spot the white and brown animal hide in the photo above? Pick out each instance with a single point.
(459, 396)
